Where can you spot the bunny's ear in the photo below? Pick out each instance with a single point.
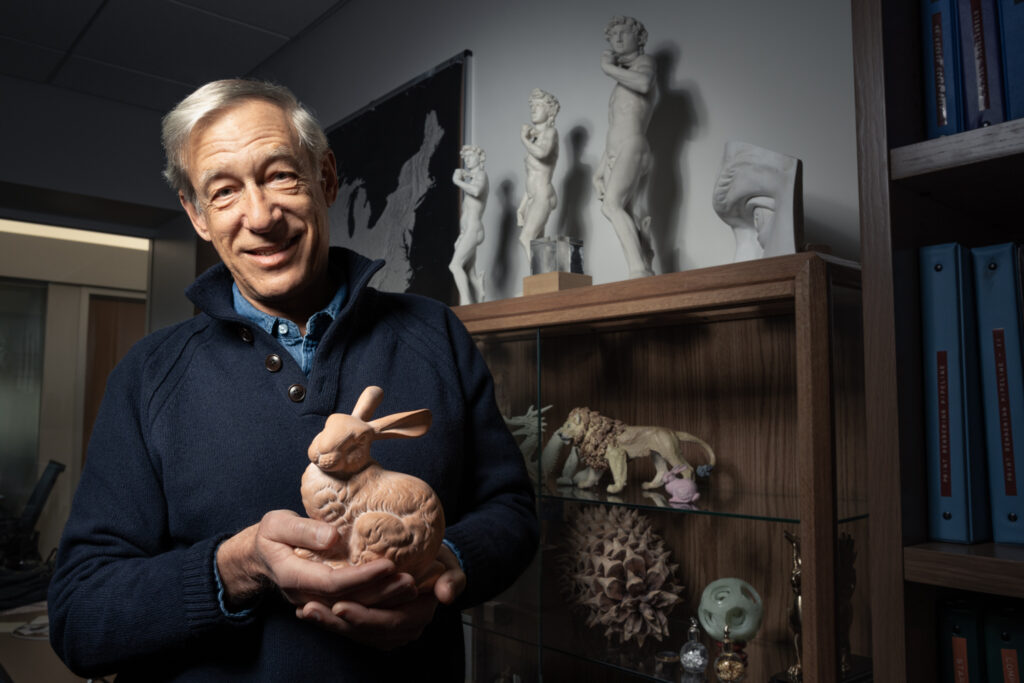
(402, 425)
(367, 403)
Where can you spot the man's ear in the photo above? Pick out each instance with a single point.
(329, 177)
(198, 219)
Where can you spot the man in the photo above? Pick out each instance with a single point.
(178, 561)
(627, 155)
(541, 141)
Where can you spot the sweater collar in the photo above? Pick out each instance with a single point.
(211, 292)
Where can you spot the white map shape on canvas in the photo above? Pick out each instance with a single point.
(391, 236)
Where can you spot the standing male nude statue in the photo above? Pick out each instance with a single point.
(620, 176)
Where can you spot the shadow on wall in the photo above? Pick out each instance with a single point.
(677, 114)
(577, 188)
(508, 241)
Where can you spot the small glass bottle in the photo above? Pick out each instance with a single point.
(729, 666)
(693, 654)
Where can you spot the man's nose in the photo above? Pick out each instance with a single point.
(261, 212)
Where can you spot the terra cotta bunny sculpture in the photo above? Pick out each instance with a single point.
(379, 513)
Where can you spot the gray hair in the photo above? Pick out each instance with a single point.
(632, 24)
(217, 96)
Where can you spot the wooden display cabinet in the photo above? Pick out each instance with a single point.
(763, 360)
(916, 192)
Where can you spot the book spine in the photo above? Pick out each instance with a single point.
(981, 71)
(1011, 36)
(943, 94)
(1004, 641)
(958, 508)
(961, 645)
(997, 291)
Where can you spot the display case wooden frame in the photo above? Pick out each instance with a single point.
(802, 288)
(915, 192)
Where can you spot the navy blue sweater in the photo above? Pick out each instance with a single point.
(196, 439)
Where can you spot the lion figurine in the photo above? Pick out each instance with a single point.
(602, 443)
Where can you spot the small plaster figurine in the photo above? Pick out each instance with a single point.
(604, 443)
(379, 513)
(541, 141)
(472, 180)
(681, 488)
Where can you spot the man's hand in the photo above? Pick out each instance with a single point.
(391, 622)
(263, 555)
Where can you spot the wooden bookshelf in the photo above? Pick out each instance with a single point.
(916, 192)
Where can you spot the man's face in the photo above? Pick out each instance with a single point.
(263, 207)
(622, 39)
(470, 159)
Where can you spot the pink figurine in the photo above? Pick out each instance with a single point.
(680, 483)
(379, 513)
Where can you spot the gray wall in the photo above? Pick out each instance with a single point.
(776, 74)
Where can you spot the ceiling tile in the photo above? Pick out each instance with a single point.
(50, 23)
(175, 42)
(26, 60)
(284, 18)
(122, 85)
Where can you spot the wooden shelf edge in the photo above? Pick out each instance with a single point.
(704, 289)
(992, 568)
(952, 151)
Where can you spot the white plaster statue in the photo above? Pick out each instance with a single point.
(541, 141)
(619, 179)
(472, 180)
(759, 194)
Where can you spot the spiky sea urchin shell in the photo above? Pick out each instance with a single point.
(618, 570)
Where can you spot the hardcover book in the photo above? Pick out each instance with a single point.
(1004, 642)
(942, 89)
(1011, 35)
(961, 642)
(997, 289)
(981, 70)
(958, 508)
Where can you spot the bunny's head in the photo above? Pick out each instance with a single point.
(343, 447)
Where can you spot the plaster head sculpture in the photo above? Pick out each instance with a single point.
(378, 513)
(540, 138)
(734, 603)
(759, 194)
(620, 179)
(472, 180)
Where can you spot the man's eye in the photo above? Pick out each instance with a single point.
(222, 193)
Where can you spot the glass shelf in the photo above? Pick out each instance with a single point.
(713, 502)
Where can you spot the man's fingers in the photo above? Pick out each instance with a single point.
(285, 526)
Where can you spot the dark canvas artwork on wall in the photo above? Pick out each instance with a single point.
(396, 200)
